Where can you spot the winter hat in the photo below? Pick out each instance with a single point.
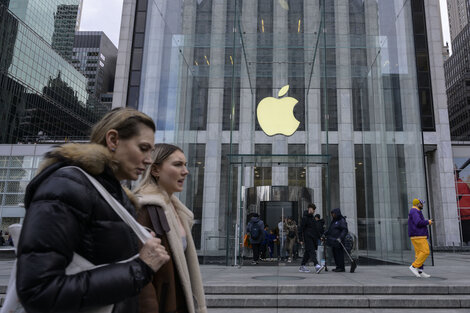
(417, 201)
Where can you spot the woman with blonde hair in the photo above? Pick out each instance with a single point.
(66, 214)
(177, 286)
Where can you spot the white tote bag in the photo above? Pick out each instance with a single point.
(79, 264)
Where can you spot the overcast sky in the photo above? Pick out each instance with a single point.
(105, 15)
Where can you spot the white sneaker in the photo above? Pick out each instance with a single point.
(424, 275)
(414, 271)
(303, 269)
(289, 260)
(319, 268)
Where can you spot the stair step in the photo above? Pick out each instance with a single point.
(338, 301)
(341, 289)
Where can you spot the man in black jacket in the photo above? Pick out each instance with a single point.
(335, 236)
(310, 234)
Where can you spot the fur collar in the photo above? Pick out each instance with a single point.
(153, 194)
(91, 157)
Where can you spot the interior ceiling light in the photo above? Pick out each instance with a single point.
(262, 25)
(284, 4)
(298, 27)
(207, 61)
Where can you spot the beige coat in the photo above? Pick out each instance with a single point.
(186, 262)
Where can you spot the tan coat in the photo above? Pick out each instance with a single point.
(186, 262)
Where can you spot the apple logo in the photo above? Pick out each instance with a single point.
(276, 116)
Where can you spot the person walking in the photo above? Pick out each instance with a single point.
(418, 233)
(255, 228)
(310, 230)
(281, 239)
(177, 286)
(335, 235)
(66, 214)
(291, 238)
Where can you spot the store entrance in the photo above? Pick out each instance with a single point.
(272, 212)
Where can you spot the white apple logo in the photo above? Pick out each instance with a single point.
(276, 116)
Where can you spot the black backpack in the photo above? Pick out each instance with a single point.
(291, 234)
(255, 230)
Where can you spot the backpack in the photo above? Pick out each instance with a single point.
(255, 230)
(291, 234)
(349, 242)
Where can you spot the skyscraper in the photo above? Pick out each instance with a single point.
(458, 12)
(95, 55)
(41, 93)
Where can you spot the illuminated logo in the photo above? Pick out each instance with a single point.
(276, 116)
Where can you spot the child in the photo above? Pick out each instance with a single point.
(271, 240)
(264, 243)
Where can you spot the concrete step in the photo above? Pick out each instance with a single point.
(341, 310)
(338, 289)
(337, 301)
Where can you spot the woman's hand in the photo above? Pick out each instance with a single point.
(154, 254)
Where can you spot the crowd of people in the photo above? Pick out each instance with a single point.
(289, 238)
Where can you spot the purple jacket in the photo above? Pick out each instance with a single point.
(417, 224)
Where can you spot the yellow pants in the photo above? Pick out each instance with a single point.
(421, 251)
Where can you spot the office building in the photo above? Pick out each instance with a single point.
(43, 98)
(95, 55)
(458, 12)
(457, 74)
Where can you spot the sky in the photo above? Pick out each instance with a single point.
(102, 15)
(105, 15)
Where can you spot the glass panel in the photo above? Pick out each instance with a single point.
(351, 71)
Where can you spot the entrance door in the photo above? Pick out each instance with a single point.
(272, 211)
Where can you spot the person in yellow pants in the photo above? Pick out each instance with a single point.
(418, 233)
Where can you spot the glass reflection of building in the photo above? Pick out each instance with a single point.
(42, 95)
(43, 98)
(372, 135)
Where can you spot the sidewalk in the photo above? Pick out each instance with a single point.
(450, 282)
(450, 269)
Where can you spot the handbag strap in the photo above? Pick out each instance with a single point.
(158, 219)
(138, 229)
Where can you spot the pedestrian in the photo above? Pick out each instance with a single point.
(281, 238)
(310, 230)
(177, 286)
(255, 228)
(335, 238)
(418, 233)
(271, 241)
(264, 244)
(291, 238)
(65, 213)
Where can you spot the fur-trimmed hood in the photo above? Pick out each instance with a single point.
(93, 158)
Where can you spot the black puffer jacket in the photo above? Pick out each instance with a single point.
(338, 229)
(66, 214)
(310, 230)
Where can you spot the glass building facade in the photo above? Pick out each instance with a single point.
(42, 96)
(366, 141)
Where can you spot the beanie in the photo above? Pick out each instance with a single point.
(417, 201)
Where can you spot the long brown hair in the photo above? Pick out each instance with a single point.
(125, 121)
(159, 155)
